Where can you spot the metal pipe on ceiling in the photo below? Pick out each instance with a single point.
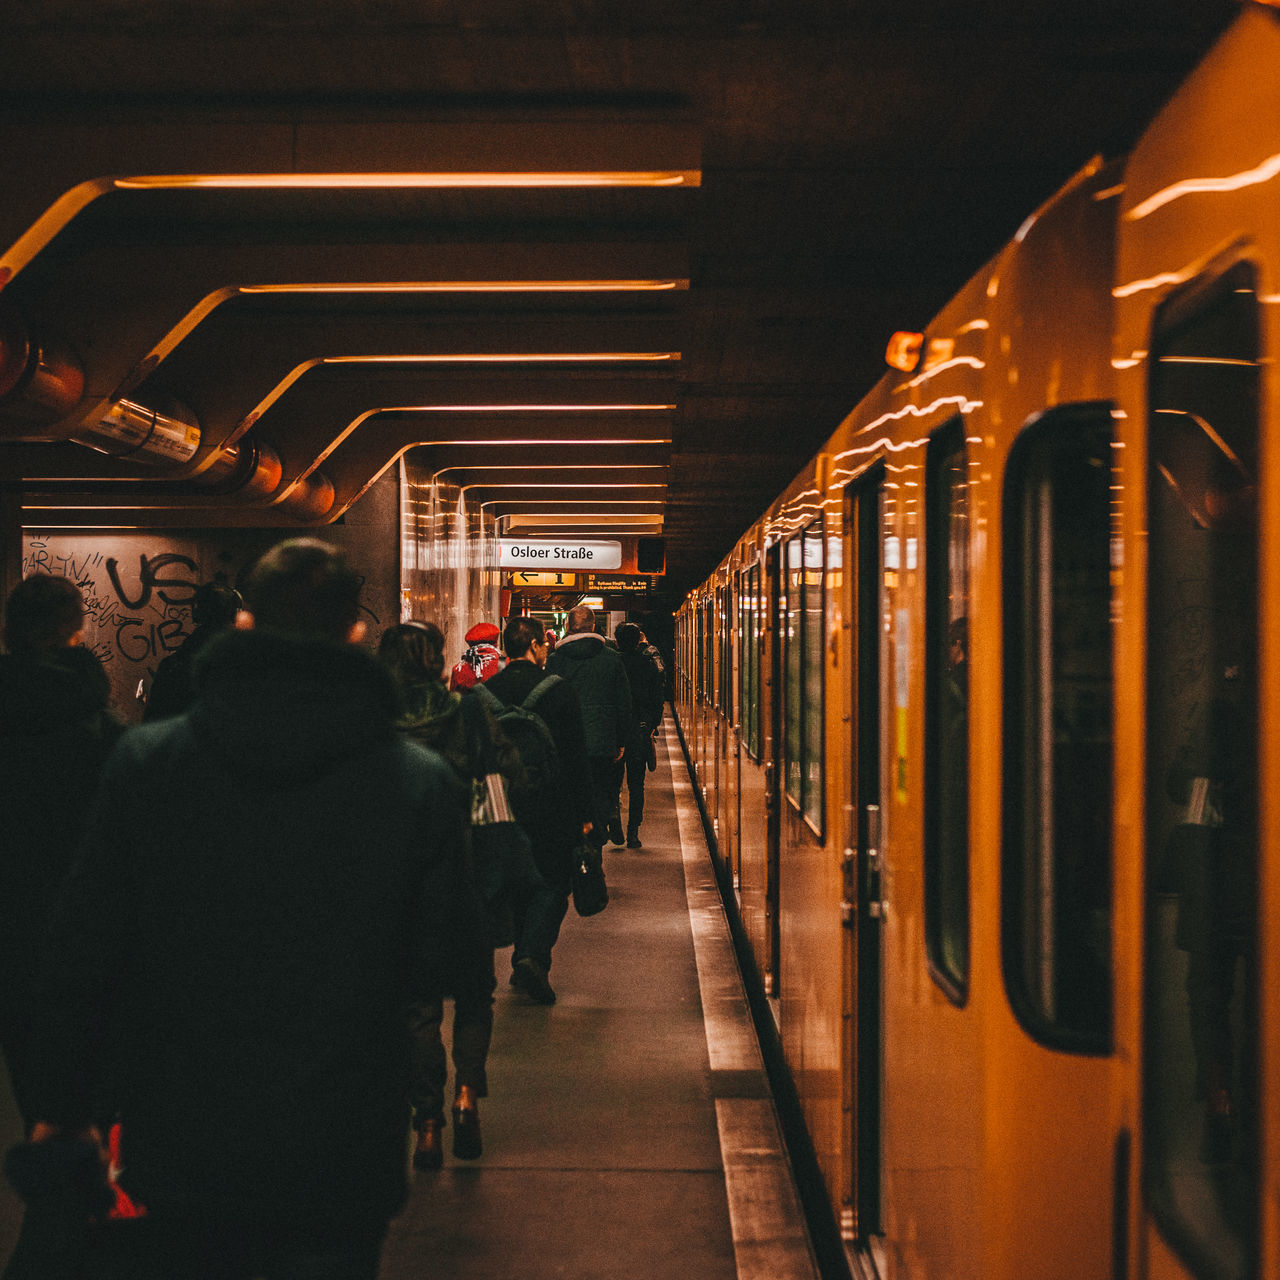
(42, 383)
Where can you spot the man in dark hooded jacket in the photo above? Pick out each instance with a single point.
(595, 671)
(56, 731)
(263, 889)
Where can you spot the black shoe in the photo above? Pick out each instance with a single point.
(615, 832)
(531, 978)
(633, 840)
(429, 1152)
(466, 1133)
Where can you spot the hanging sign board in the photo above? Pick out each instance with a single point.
(547, 553)
(532, 578)
(617, 586)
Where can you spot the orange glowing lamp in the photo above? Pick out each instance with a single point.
(903, 351)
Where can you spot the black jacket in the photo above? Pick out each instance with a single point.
(262, 890)
(561, 710)
(647, 694)
(56, 731)
(595, 671)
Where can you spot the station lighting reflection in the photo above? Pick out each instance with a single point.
(1263, 172)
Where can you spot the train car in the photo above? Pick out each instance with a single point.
(977, 712)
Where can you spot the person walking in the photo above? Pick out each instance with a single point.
(265, 885)
(429, 712)
(481, 660)
(647, 696)
(173, 688)
(56, 731)
(595, 671)
(554, 823)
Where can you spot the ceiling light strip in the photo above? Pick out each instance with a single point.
(515, 357)
(437, 180)
(471, 286)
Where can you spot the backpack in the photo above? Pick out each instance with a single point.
(541, 794)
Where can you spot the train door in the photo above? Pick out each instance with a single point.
(753, 805)
(1202, 1112)
(1198, 277)
(731, 802)
(727, 738)
(861, 908)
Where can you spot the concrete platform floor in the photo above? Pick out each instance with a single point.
(629, 1132)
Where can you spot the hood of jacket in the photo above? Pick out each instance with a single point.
(280, 711)
(42, 693)
(581, 646)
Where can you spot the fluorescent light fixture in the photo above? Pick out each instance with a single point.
(441, 180)
(526, 440)
(534, 408)
(472, 286)
(514, 357)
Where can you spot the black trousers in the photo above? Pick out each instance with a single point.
(472, 1031)
(636, 762)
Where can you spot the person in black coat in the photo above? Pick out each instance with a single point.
(437, 717)
(56, 730)
(264, 887)
(173, 689)
(594, 668)
(647, 699)
(559, 821)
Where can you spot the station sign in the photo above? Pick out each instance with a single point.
(532, 578)
(616, 586)
(556, 553)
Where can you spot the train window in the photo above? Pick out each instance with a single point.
(1058, 729)
(815, 630)
(804, 629)
(1201, 1062)
(751, 662)
(695, 640)
(946, 858)
(792, 664)
(708, 650)
(725, 623)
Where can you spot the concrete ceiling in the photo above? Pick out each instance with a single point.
(830, 171)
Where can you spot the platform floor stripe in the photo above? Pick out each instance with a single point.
(770, 1237)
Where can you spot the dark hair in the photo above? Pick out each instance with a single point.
(413, 652)
(628, 637)
(304, 587)
(520, 635)
(215, 605)
(43, 612)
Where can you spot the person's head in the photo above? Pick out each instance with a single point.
(482, 633)
(304, 588)
(42, 613)
(413, 652)
(524, 638)
(582, 619)
(628, 636)
(215, 605)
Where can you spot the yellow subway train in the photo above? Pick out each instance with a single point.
(977, 712)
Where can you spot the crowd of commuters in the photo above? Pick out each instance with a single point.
(235, 960)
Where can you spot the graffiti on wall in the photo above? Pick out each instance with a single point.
(137, 592)
(137, 613)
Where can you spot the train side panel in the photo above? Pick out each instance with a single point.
(1197, 284)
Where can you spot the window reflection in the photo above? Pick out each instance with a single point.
(1201, 1122)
